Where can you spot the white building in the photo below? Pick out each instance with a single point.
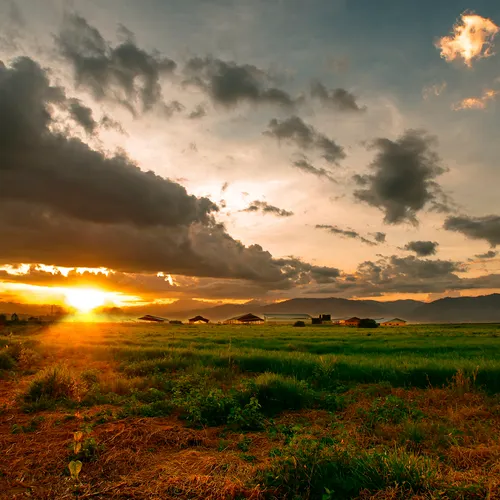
(287, 318)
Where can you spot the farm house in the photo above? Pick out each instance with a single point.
(198, 320)
(246, 319)
(354, 321)
(287, 319)
(392, 322)
(155, 319)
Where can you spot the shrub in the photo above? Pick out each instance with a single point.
(53, 384)
(207, 408)
(248, 418)
(299, 324)
(390, 410)
(307, 468)
(155, 409)
(6, 361)
(276, 393)
(367, 323)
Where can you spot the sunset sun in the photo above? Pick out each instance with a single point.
(85, 299)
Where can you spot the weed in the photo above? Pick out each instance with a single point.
(308, 468)
(33, 426)
(90, 376)
(7, 362)
(207, 408)
(247, 418)
(276, 393)
(390, 409)
(84, 448)
(412, 436)
(244, 444)
(223, 445)
(75, 467)
(53, 385)
(461, 383)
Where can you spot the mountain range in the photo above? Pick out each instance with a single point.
(482, 309)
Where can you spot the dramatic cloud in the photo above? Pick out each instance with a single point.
(296, 131)
(472, 38)
(340, 99)
(488, 255)
(302, 273)
(403, 180)
(476, 228)
(305, 166)
(346, 233)
(64, 204)
(422, 248)
(229, 83)
(65, 175)
(379, 237)
(125, 73)
(198, 112)
(476, 102)
(265, 208)
(82, 115)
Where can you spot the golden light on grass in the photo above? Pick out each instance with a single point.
(85, 299)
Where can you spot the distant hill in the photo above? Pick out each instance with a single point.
(449, 310)
(483, 309)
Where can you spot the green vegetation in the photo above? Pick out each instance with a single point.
(316, 412)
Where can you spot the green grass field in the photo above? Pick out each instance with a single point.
(159, 411)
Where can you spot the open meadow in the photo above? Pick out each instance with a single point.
(134, 411)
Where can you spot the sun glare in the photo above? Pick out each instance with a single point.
(85, 299)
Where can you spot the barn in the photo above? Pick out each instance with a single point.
(354, 321)
(246, 319)
(392, 322)
(154, 319)
(287, 319)
(198, 320)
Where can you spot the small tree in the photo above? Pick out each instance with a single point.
(368, 323)
(14, 318)
(3, 319)
(299, 323)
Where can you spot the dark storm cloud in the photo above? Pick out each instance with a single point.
(82, 115)
(305, 166)
(64, 174)
(303, 273)
(413, 267)
(265, 208)
(229, 83)
(402, 275)
(64, 204)
(379, 237)
(422, 248)
(32, 234)
(296, 131)
(339, 99)
(198, 112)
(476, 228)
(125, 73)
(488, 255)
(171, 108)
(403, 179)
(345, 233)
(110, 124)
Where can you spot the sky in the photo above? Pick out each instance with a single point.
(237, 150)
